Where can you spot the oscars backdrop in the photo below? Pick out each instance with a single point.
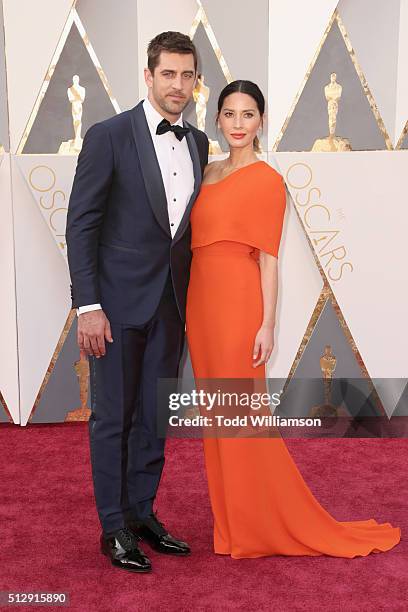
(335, 75)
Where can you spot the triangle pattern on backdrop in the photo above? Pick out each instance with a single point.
(5, 416)
(375, 31)
(52, 121)
(328, 348)
(60, 393)
(32, 31)
(358, 120)
(403, 139)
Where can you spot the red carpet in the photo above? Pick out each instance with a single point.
(50, 530)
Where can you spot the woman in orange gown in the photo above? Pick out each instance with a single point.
(260, 502)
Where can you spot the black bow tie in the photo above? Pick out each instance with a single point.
(165, 126)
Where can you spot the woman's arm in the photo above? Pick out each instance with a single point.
(264, 341)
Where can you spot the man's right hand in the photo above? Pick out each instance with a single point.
(93, 329)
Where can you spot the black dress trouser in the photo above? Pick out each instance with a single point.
(127, 456)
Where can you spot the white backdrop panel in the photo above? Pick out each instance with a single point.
(50, 178)
(8, 344)
(363, 193)
(300, 284)
(43, 297)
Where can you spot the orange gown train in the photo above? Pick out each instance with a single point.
(260, 502)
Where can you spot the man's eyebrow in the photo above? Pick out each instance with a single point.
(170, 70)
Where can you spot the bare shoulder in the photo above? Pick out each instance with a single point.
(213, 168)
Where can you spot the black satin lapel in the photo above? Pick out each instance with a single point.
(150, 167)
(192, 145)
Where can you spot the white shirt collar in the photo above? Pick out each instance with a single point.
(153, 117)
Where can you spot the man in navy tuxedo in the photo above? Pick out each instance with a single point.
(128, 237)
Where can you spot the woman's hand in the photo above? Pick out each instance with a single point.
(264, 343)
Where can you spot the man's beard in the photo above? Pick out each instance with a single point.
(165, 106)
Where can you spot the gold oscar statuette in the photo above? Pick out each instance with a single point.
(201, 95)
(76, 95)
(327, 366)
(332, 92)
(82, 371)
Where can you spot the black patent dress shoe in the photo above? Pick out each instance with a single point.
(124, 552)
(152, 531)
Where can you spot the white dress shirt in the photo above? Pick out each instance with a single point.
(177, 173)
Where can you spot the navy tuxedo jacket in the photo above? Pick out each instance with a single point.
(118, 235)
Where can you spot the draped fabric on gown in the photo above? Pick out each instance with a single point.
(260, 502)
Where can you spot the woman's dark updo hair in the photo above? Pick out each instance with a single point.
(249, 88)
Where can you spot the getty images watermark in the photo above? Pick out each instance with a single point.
(211, 401)
(233, 408)
(300, 407)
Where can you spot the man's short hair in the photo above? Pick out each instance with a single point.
(172, 42)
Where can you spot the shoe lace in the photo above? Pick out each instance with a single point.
(126, 539)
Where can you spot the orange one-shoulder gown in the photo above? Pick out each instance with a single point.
(260, 502)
